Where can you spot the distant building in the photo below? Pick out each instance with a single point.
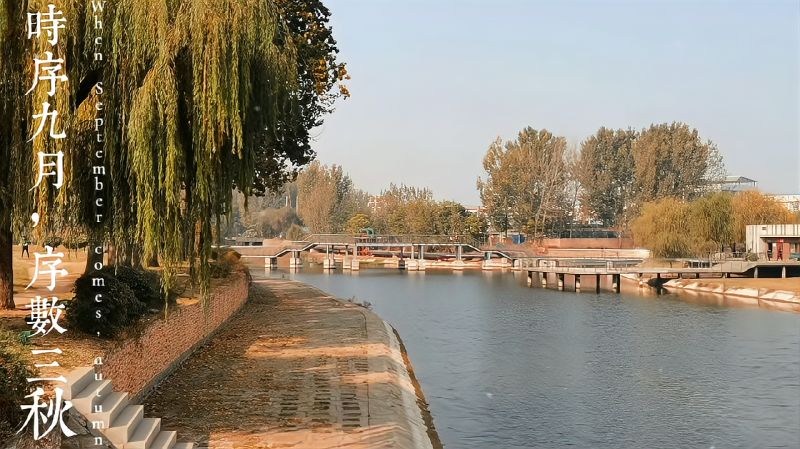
(474, 210)
(774, 242)
(734, 184)
(792, 202)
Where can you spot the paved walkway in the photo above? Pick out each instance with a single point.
(295, 369)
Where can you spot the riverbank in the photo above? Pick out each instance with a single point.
(297, 368)
(779, 294)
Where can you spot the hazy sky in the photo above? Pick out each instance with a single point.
(434, 82)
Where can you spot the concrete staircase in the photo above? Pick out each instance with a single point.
(124, 423)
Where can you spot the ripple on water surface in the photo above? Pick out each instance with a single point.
(504, 366)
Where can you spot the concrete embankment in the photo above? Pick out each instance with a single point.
(757, 296)
(297, 368)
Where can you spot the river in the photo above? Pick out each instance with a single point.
(504, 366)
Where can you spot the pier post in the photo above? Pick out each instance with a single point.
(552, 280)
(543, 278)
(294, 260)
(530, 278)
(783, 271)
(270, 263)
(617, 280)
(755, 272)
(569, 282)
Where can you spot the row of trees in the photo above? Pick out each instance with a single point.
(323, 199)
(199, 98)
(673, 227)
(536, 184)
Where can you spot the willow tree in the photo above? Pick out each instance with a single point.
(11, 135)
(200, 97)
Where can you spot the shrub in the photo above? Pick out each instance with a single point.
(145, 284)
(225, 264)
(14, 370)
(119, 307)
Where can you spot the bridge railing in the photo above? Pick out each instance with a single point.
(417, 239)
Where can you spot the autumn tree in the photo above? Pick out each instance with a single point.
(526, 180)
(663, 227)
(357, 222)
(754, 208)
(326, 198)
(605, 169)
(711, 222)
(671, 159)
(402, 209)
(476, 226)
(450, 218)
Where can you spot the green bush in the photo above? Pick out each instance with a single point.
(119, 307)
(14, 370)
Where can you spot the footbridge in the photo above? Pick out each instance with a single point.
(412, 250)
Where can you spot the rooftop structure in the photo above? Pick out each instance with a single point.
(734, 184)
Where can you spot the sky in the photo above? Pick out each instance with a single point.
(435, 82)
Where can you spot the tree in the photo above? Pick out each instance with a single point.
(526, 181)
(672, 160)
(12, 138)
(711, 221)
(317, 197)
(754, 208)
(476, 226)
(357, 222)
(605, 170)
(200, 97)
(664, 228)
(327, 198)
(405, 210)
(450, 218)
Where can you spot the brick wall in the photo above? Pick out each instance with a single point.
(138, 363)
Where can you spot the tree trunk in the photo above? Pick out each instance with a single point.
(6, 268)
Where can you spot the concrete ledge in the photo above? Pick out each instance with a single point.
(774, 299)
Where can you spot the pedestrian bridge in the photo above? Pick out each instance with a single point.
(405, 246)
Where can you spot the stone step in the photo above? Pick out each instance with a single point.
(91, 395)
(122, 427)
(110, 408)
(165, 440)
(144, 435)
(77, 380)
(183, 446)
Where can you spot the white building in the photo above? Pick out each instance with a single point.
(773, 242)
(792, 202)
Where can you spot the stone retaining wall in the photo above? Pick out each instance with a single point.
(139, 363)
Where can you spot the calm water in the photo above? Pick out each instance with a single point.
(505, 366)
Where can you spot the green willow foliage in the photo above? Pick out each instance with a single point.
(200, 97)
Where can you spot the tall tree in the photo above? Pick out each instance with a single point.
(671, 159)
(527, 179)
(13, 58)
(201, 96)
(605, 170)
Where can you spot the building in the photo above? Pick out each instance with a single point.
(774, 242)
(792, 202)
(734, 184)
